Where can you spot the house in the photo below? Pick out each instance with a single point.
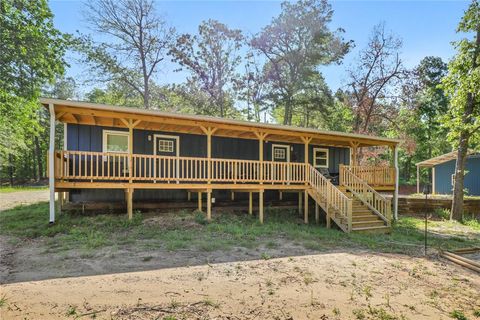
(443, 173)
(116, 153)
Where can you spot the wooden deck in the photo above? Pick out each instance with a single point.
(97, 170)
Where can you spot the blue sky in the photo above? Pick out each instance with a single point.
(426, 27)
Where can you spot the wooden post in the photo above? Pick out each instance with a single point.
(418, 179)
(395, 194)
(51, 163)
(129, 194)
(305, 208)
(280, 197)
(261, 138)
(349, 214)
(354, 151)
(299, 203)
(260, 206)
(306, 141)
(189, 196)
(209, 205)
(232, 196)
(317, 213)
(209, 131)
(199, 201)
(250, 203)
(327, 207)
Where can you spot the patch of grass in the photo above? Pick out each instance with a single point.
(476, 313)
(71, 311)
(457, 314)
(266, 256)
(381, 314)
(21, 188)
(227, 230)
(3, 301)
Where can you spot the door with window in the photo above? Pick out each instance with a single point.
(115, 165)
(167, 167)
(281, 171)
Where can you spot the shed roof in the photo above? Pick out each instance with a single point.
(81, 112)
(442, 159)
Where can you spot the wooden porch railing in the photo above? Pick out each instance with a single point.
(94, 166)
(369, 196)
(333, 197)
(373, 175)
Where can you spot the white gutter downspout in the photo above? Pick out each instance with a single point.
(51, 163)
(395, 196)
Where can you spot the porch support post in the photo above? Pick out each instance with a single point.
(261, 138)
(305, 208)
(129, 194)
(250, 203)
(306, 141)
(232, 195)
(354, 153)
(280, 196)
(299, 203)
(395, 194)
(433, 180)
(51, 163)
(418, 179)
(209, 131)
(199, 201)
(189, 196)
(317, 212)
(260, 206)
(209, 204)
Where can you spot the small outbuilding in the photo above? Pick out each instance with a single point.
(443, 173)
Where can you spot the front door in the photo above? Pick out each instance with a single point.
(168, 146)
(281, 153)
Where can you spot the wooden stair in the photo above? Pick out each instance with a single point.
(364, 219)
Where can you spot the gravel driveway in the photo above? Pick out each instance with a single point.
(12, 199)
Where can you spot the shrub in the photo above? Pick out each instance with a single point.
(200, 218)
(442, 213)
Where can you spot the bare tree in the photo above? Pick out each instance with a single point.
(372, 80)
(211, 57)
(140, 41)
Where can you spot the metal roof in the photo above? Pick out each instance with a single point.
(130, 110)
(442, 159)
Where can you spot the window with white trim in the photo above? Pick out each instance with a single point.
(115, 141)
(165, 145)
(320, 158)
(279, 153)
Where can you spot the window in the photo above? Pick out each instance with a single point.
(320, 158)
(165, 145)
(115, 141)
(279, 154)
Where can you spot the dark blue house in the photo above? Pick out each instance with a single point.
(443, 173)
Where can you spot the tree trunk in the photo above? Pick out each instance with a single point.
(457, 202)
(38, 153)
(10, 169)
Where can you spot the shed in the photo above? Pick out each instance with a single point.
(443, 173)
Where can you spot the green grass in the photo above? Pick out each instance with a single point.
(21, 188)
(190, 231)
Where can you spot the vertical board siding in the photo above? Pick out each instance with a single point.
(444, 171)
(90, 138)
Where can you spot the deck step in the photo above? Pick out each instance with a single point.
(368, 224)
(370, 217)
(379, 229)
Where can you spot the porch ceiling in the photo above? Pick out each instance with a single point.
(113, 116)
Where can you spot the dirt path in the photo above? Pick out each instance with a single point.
(12, 199)
(325, 286)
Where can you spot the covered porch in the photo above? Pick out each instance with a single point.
(75, 169)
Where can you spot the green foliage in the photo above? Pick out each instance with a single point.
(442, 213)
(211, 57)
(457, 314)
(32, 55)
(310, 43)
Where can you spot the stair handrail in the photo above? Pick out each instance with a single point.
(333, 196)
(375, 201)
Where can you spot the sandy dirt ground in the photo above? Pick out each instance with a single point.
(326, 286)
(12, 199)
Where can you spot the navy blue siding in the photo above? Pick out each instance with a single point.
(90, 138)
(444, 171)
